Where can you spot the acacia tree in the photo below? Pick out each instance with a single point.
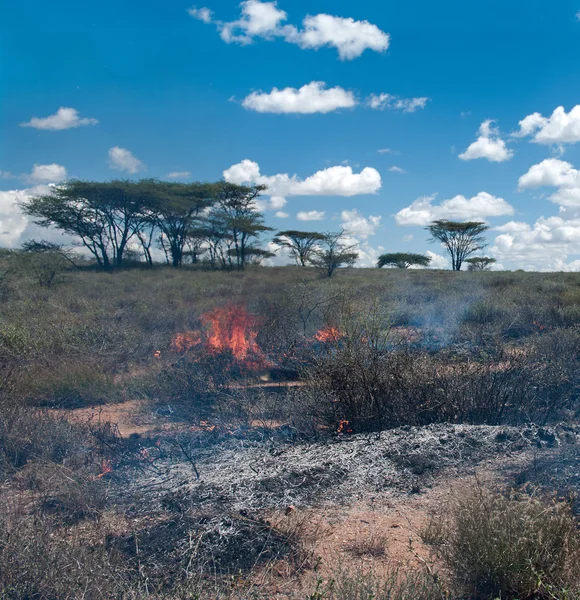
(300, 244)
(403, 260)
(175, 209)
(460, 239)
(241, 221)
(333, 252)
(480, 263)
(105, 216)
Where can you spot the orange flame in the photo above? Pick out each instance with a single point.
(226, 329)
(183, 342)
(106, 468)
(232, 328)
(328, 334)
(344, 427)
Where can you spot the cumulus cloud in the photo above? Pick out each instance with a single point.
(122, 159)
(553, 172)
(333, 181)
(395, 169)
(51, 173)
(559, 128)
(15, 226)
(64, 118)
(351, 38)
(488, 145)
(437, 261)
(178, 175)
(422, 212)
(357, 225)
(203, 14)
(543, 246)
(281, 214)
(264, 20)
(310, 98)
(12, 221)
(383, 101)
(311, 215)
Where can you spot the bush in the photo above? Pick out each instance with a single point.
(510, 546)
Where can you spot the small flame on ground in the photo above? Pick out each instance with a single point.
(183, 342)
(328, 334)
(106, 468)
(344, 427)
(226, 329)
(232, 328)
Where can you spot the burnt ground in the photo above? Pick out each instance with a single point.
(240, 474)
(234, 502)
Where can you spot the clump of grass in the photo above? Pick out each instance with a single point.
(509, 546)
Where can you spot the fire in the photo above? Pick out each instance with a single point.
(232, 328)
(328, 334)
(183, 342)
(228, 328)
(344, 427)
(106, 468)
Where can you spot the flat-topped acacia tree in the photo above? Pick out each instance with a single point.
(403, 260)
(300, 244)
(461, 239)
(480, 263)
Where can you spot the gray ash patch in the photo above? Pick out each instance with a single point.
(250, 475)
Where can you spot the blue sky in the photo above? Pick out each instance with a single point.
(165, 88)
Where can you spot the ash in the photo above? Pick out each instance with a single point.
(241, 474)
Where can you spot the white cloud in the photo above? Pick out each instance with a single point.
(277, 202)
(12, 221)
(64, 118)
(333, 181)
(357, 225)
(395, 169)
(543, 246)
(559, 128)
(408, 238)
(488, 145)
(311, 215)
(178, 175)
(310, 98)
(408, 105)
(553, 172)
(203, 14)
(388, 151)
(437, 261)
(122, 159)
(51, 173)
(421, 212)
(351, 38)
(264, 20)
(6, 175)
(281, 214)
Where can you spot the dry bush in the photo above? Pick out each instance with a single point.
(400, 583)
(509, 545)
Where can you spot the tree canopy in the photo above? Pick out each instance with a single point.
(460, 239)
(480, 263)
(185, 219)
(334, 252)
(300, 244)
(403, 260)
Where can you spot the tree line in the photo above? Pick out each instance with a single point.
(216, 222)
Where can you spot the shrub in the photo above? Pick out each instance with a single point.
(510, 546)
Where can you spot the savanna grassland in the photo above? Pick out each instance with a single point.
(187, 433)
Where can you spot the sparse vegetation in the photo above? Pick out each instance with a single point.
(273, 361)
